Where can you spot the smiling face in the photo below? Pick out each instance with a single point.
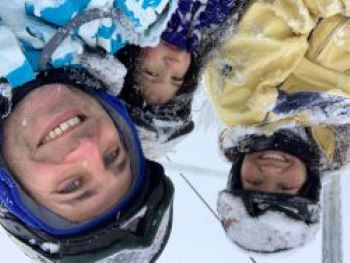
(66, 152)
(273, 172)
(161, 72)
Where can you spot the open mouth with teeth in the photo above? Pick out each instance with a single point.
(274, 156)
(62, 128)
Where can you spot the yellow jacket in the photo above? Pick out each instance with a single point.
(283, 47)
(291, 45)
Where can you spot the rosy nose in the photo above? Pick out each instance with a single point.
(87, 153)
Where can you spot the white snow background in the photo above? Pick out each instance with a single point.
(197, 236)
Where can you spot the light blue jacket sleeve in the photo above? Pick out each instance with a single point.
(61, 30)
(139, 22)
(13, 64)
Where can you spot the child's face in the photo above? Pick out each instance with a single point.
(66, 152)
(161, 72)
(273, 172)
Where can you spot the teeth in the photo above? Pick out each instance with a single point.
(274, 156)
(74, 121)
(52, 134)
(58, 131)
(62, 128)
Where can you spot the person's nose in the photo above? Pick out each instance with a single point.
(87, 154)
(268, 186)
(270, 175)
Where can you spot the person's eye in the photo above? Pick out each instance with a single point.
(71, 187)
(151, 73)
(111, 157)
(178, 79)
(287, 188)
(254, 182)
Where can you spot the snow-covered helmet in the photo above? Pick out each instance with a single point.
(270, 222)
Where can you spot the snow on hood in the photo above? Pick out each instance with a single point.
(230, 137)
(107, 69)
(143, 254)
(270, 232)
(153, 146)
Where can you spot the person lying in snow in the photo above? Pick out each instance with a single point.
(161, 82)
(74, 184)
(281, 87)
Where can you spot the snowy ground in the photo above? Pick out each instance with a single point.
(197, 236)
